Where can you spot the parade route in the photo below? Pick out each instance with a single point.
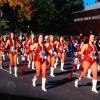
(59, 87)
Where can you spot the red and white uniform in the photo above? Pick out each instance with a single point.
(13, 48)
(26, 47)
(51, 50)
(40, 53)
(28, 44)
(90, 54)
(61, 48)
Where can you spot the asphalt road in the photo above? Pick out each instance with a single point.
(59, 87)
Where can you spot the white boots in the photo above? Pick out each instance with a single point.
(43, 83)
(34, 81)
(3, 57)
(17, 60)
(62, 67)
(77, 82)
(89, 74)
(55, 65)
(94, 85)
(52, 72)
(10, 70)
(33, 65)
(0, 64)
(98, 67)
(29, 64)
(15, 71)
(78, 66)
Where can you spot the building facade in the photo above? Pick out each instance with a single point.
(88, 20)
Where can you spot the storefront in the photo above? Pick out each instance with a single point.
(86, 21)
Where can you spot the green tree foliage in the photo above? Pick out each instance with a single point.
(41, 15)
(55, 15)
(17, 12)
(22, 7)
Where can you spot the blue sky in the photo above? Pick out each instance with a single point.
(89, 2)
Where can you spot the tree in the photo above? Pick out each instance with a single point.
(45, 15)
(55, 15)
(17, 11)
(42, 15)
(23, 7)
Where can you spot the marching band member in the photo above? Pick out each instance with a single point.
(98, 48)
(76, 61)
(22, 70)
(51, 54)
(84, 41)
(23, 59)
(40, 61)
(13, 46)
(89, 61)
(24, 44)
(61, 51)
(55, 44)
(3, 45)
(31, 53)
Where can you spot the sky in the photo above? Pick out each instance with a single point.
(89, 2)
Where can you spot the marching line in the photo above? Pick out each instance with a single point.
(11, 74)
(5, 70)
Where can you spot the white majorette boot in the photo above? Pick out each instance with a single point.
(78, 66)
(55, 65)
(89, 74)
(94, 85)
(77, 82)
(34, 81)
(0, 64)
(18, 60)
(43, 84)
(98, 67)
(28, 58)
(77, 63)
(15, 71)
(10, 67)
(52, 72)
(33, 65)
(29, 64)
(3, 57)
(62, 67)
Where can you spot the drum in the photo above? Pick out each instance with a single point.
(23, 58)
